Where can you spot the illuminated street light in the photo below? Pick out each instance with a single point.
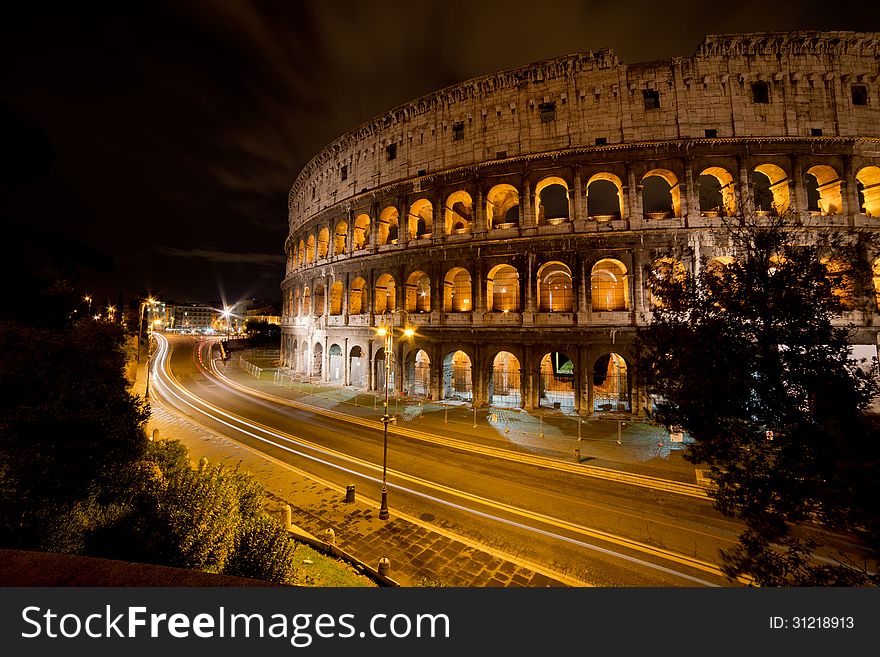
(386, 331)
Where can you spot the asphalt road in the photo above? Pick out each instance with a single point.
(604, 533)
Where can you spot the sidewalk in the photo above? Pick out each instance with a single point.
(643, 448)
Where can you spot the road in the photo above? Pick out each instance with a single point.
(598, 531)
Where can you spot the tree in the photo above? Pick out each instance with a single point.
(750, 359)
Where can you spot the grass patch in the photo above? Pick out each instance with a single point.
(316, 569)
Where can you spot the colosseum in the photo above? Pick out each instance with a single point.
(512, 220)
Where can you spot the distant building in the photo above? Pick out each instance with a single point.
(192, 316)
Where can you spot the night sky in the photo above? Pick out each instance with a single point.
(166, 135)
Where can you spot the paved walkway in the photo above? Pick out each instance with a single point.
(422, 554)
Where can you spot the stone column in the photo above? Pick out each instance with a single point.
(576, 205)
(400, 295)
(371, 374)
(746, 200)
(325, 359)
(346, 364)
(403, 221)
(479, 212)
(634, 194)
(479, 287)
(530, 290)
(693, 202)
(849, 189)
(527, 218)
(798, 196)
(346, 282)
(374, 227)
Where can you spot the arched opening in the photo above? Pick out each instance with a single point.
(868, 183)
(418, 293)
(339, 238)
(386, 294)
(556, 381)
(307, 302)
(502, 289)
(388, 226)
(608, 286)
(555, 289)
(661, 194)
(604, 197)
(302, 253)
(824, 195)
(335, 365)
(502, 207)
(303, 367)
(361, 232)
(551, 198)
(318, 360)
(457, 381)
(717, 193)
(356, 369)
(770, 190)
(323, 242)
(357, 297)
(459, 213)
(666, 276)
(336, 292)
(297, 302)
(421, 219)
(457, 291)
(611, 384)
(318, 300)
(418, 374)
(505, 388)
(310, 249)
(380, 369)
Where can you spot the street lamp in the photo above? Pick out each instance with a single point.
(227, 314)
(386, 331)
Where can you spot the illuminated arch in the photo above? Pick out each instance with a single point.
(323, 242)
(502, 207)
(502, 289)
(556, 381)
(385, 296)
(340, 237)
(388, 226)
(824, 190)
(555, 288)
(717, 192)
(868, 182)
(302, 253)
(418, 293)
(357, 296)
(310, 249)
(609, 286)
(551, 200)
(361, 232)
(604, 197)
(318, 300)
(661, 194)
(336, 292)
(771, 190)
(457, 291)
(420, 224)
(611, 384)
(307, 303)
(505, 384)
(459, 211)
(457, 378)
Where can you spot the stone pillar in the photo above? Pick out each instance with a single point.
(528, 379)
(849, 189)
(530, 290)
(346, 282)
(527, 219)
(798, 196)
(576, 205)
(578, 379)
(479, 287)
(587, 359)
(746, 200)
(374, 227)
(371, 374)
(346, 364)
(325, 359)
(403, 221)
(691, 194)
(582, 289)
(327, 283)
(634, 194)
(400, 293)
(479, 212)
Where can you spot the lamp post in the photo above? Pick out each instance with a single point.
(386, 331)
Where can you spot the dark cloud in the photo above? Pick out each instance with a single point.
(176, 128)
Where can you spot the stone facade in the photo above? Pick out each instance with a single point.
(512, 219)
